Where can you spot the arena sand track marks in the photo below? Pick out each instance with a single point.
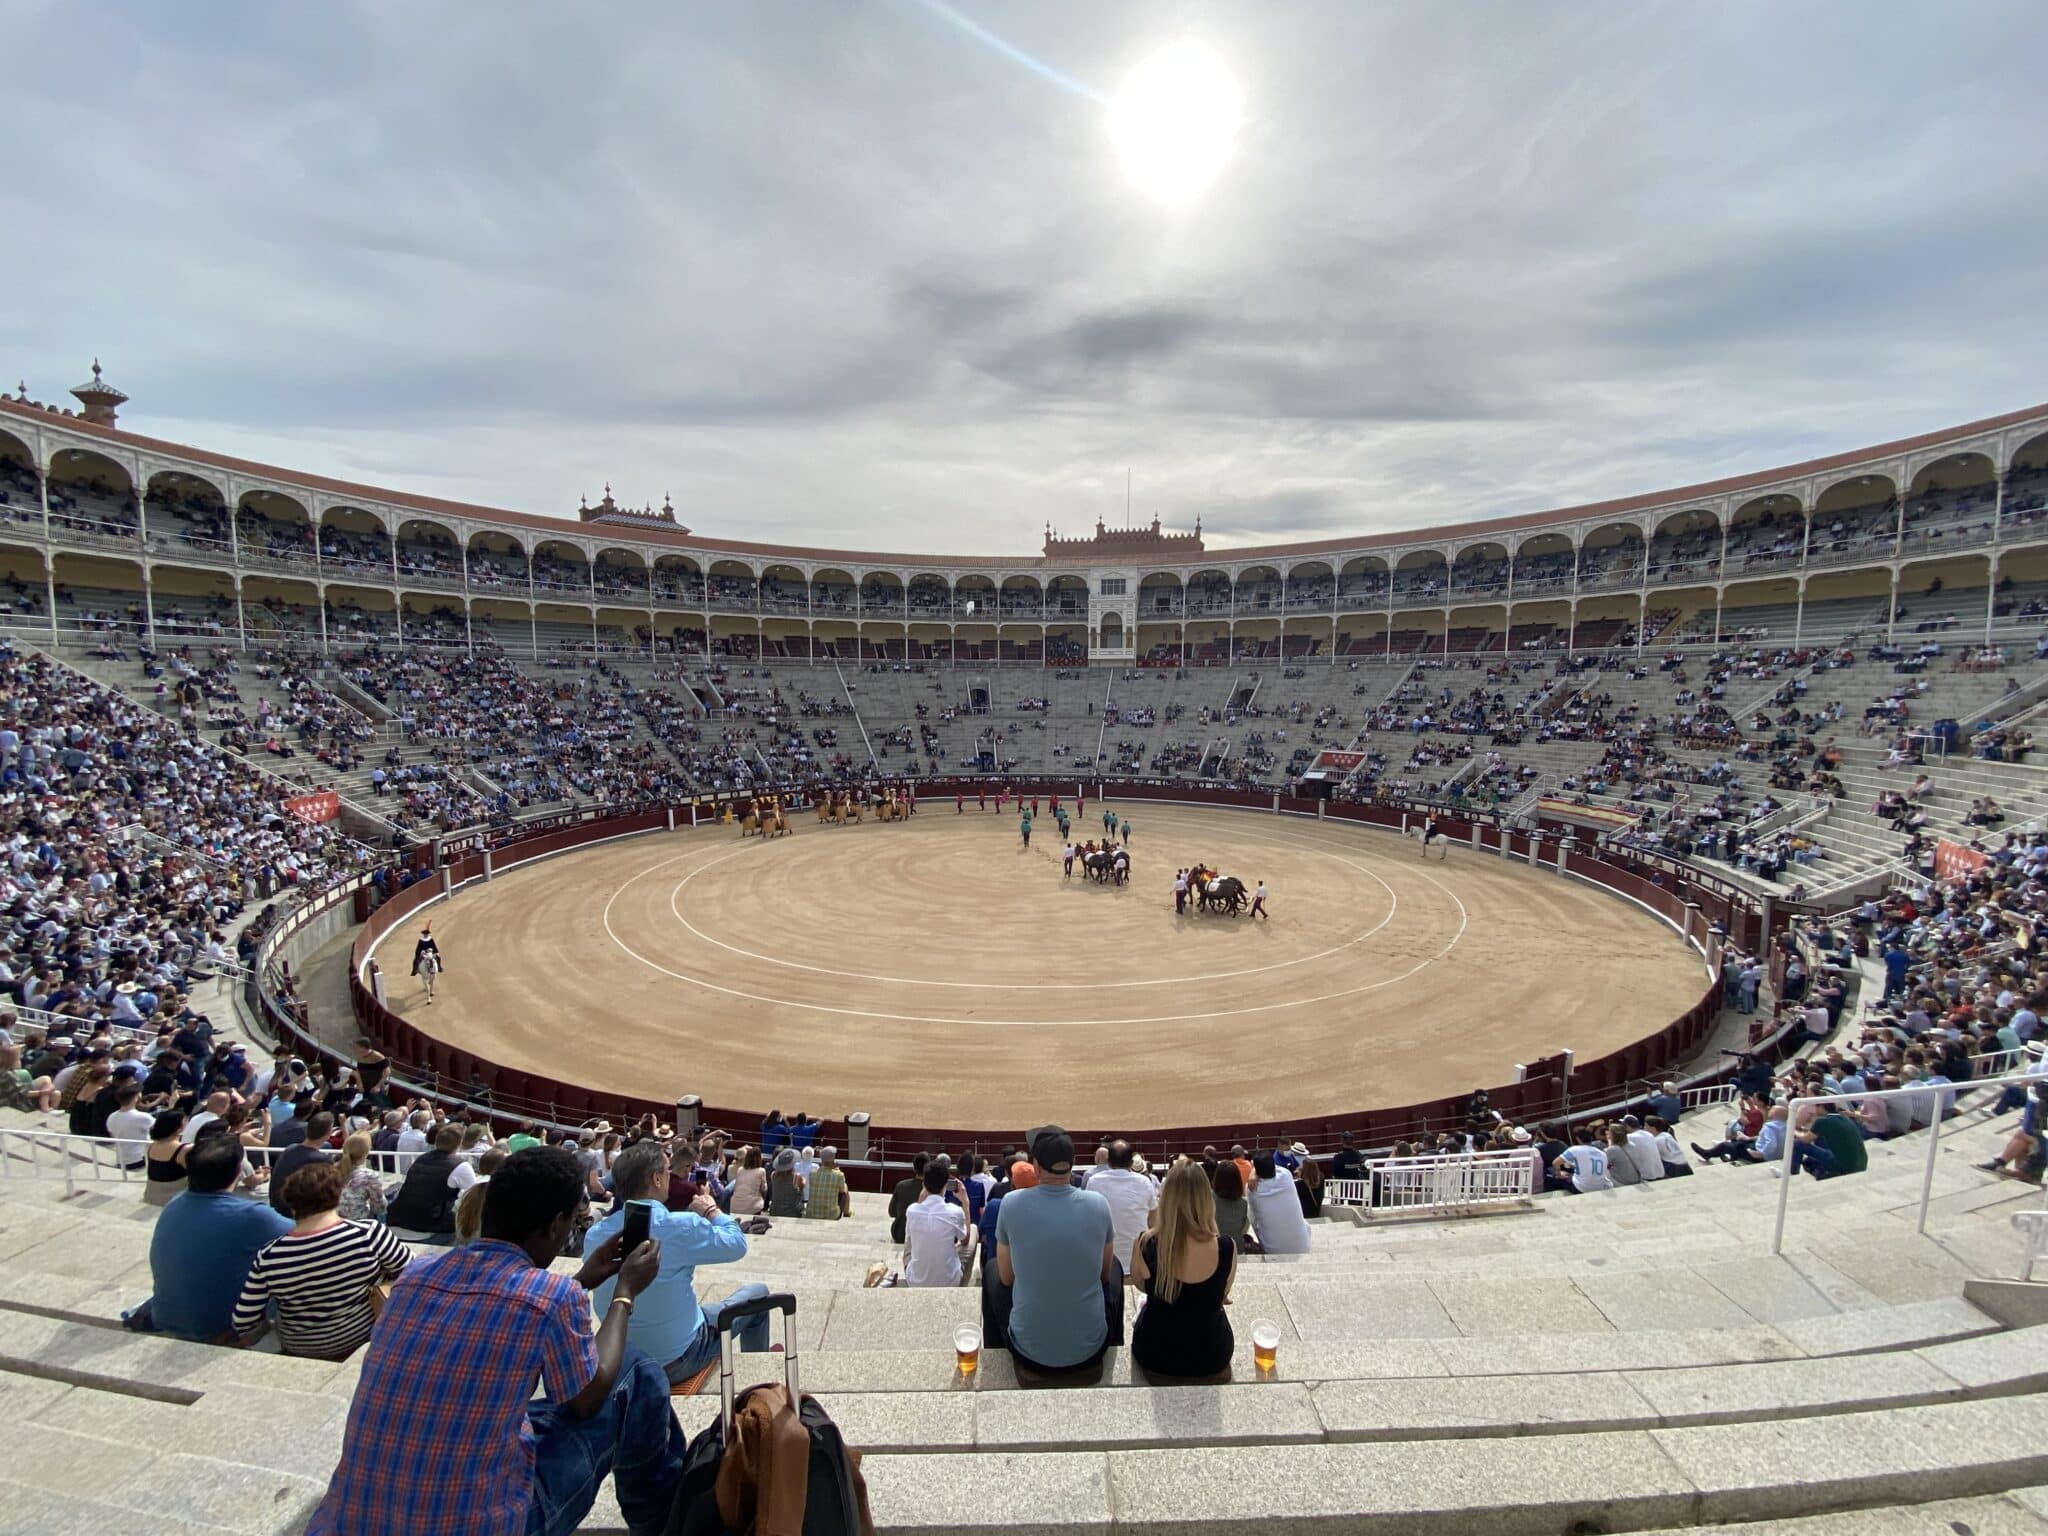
(938, 973)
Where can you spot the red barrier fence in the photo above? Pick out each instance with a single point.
(1690, 903)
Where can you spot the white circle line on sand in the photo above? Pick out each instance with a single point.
(1394, 904)
(1464, 921)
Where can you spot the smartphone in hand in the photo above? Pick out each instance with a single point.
(639, 1218)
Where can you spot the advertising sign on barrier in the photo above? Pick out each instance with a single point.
(320, 805)
(1954, 861)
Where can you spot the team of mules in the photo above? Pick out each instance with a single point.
(1214, 892)
(766, 818)
(836, 807)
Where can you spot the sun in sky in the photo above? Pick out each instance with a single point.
(1174, 122)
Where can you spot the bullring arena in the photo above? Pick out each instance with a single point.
(938, 972)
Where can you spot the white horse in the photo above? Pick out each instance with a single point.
(426, 966)
(1432, 835)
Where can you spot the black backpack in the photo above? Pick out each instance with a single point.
(836, 1496)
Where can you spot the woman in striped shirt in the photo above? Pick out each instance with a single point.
(318, 1275)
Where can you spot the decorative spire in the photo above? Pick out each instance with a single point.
(101, 401)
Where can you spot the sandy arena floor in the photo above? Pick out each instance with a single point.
(936, 973)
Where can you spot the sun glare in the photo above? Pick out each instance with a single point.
(1175, 121)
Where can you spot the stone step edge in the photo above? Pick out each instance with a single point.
(1686, 1505)
(134, 1387)
(1415, 1434)
(99, 1381)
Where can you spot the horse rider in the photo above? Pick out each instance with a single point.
(426, 959)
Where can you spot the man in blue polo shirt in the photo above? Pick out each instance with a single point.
(667, 1321)
(1057, 1294)
(204, 1243)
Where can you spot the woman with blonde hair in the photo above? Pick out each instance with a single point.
(17, 1089)
(1185, 1268)
(362, 1192)
(750, 1184)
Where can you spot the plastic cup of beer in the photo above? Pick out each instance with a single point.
(967, 1348)
(1265, 1344)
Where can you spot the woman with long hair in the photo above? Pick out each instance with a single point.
(1308, 1185)
(18, 1090)
(750, 1184)
(1185, 1268)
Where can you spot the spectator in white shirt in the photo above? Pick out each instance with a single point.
(412, 1141)
(1132, 1198)
(216, 1106)
(1643, 1152)
(129, 1126)
(1668, 1149)
(1276, 1208)
(935, 1233)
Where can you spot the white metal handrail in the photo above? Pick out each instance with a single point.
(1437, 1185)
(32, 1154)
(1944, 1097)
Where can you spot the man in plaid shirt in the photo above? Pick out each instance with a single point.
(444, 1436)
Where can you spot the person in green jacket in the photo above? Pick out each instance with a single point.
(1830, 1147)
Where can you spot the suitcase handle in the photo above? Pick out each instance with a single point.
(739, 1312)
(777, 1301)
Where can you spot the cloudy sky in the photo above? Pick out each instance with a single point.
(844, 272)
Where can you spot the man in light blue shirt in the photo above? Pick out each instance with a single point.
(1770, 1141)
(1057, 1295)
(667, 1320)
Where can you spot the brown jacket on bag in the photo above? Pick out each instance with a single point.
(764, 1476)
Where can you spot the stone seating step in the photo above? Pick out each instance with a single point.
(202, 1455)
(1631, 1480)
(1819, 1338)
(2022, 1512)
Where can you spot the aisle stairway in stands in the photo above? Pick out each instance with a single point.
(1627, 1361)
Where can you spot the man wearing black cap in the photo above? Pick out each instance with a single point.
(1055, 1296)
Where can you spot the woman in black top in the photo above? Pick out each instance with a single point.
(1184, 1268)
(90, 1099)
(164, 1160)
